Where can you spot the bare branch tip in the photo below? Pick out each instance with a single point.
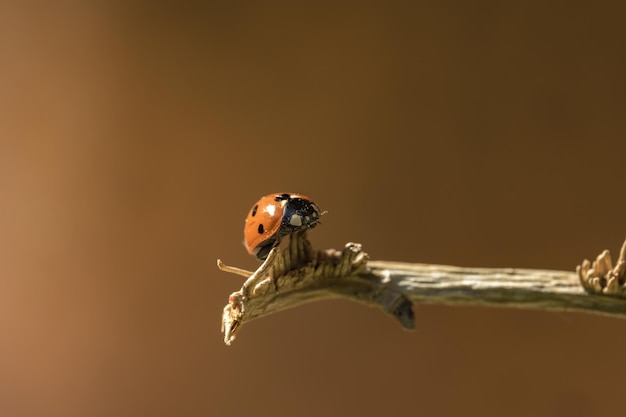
(601, 277)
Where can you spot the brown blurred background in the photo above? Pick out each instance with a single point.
(134, 139)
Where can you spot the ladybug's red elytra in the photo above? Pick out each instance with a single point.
(275, 216)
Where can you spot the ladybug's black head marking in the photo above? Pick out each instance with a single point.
(281, 197)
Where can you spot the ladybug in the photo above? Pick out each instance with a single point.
(275, 216)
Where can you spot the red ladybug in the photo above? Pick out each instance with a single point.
(276, 216)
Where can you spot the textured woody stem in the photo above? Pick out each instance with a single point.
(506, 287)
(298, 275)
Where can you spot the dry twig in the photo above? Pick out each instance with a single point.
(298, 274)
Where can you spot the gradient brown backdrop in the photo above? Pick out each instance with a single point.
(134, 139)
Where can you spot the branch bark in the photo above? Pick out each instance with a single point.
(298, 274)
(511, 287)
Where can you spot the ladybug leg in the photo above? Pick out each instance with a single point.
(263, 250)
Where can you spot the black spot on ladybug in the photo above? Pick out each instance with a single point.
(254, 209)
(261, 229)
